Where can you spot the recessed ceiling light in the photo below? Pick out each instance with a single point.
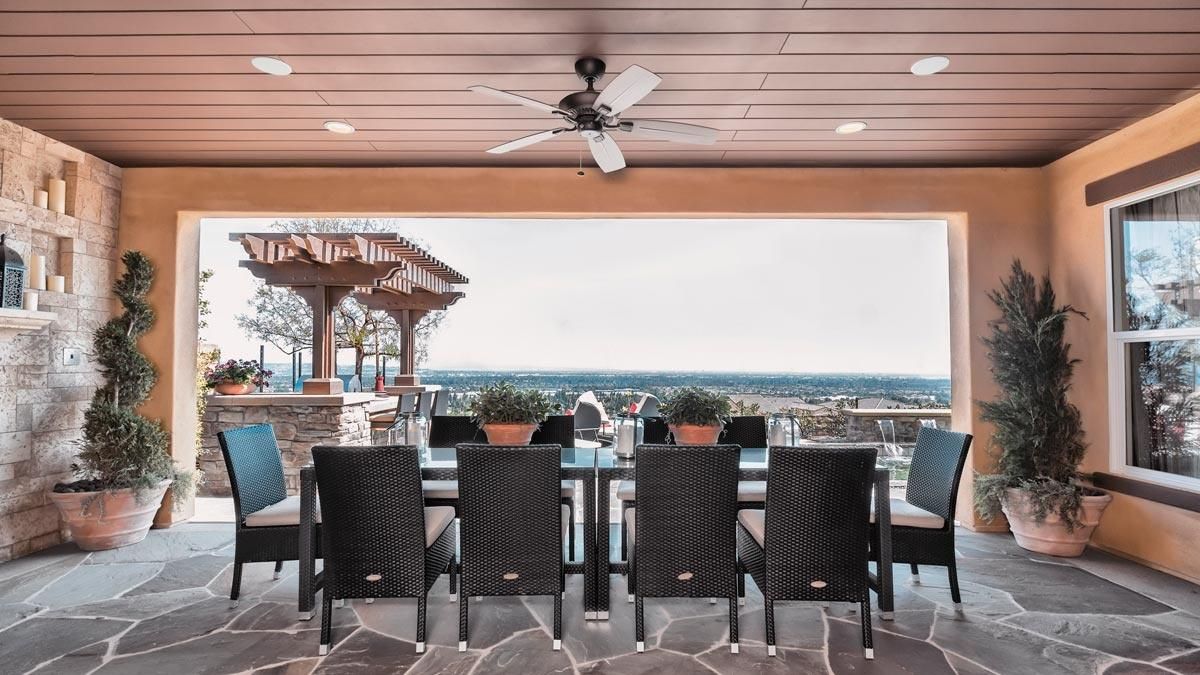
(339, 127)
(850, 127)
(271, 65)
(930, 65)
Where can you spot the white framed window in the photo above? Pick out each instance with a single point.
(1153, 249)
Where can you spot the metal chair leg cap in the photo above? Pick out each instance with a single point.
(304, 616)
(742, 601)
(462, 645)
(233, 604)
(641, 647)
(958, 607)
(870, 654)
(733, 648)
(323, 650)
(771, 650)
(420, 647)
(370, 601)
(453, 598)
(916, 580)
(887, 616)
(277, 576)
(339, 603)
(630, 599)
(558, 645)
(712, 601)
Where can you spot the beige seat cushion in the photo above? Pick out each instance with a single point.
(281, 513)
(448, 489)
(437, 519)
(566, 519)
(755, 522)
(748, 491)
(630, 519)
(907, 515)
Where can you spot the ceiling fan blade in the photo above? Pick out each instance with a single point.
(526, 140)
(515, 98)
(608, 155)
(628, 88)
(660, 130)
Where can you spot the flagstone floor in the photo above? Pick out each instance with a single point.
(160, 607)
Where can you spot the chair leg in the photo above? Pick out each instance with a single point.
(235, 588)
(571, 531)
(868, 649)
(326, 622)
(463, 602)
(639, 623)
(278, 569)
(741, 581)
(769, 609)
(916, 573)
(421, 602)
(952, 572)
(557, 621)
(631, 581)
(453, 578)
(733, 625)
(624, 534)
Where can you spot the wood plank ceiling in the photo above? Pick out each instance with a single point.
(150, 82)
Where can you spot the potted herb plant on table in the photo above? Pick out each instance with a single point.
(124, 466)
(509, 415)
(237, 376)
(1038, 432)
(696, 416)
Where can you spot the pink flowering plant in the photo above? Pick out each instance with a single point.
(237, 371)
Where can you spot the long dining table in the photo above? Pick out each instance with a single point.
(595, 469)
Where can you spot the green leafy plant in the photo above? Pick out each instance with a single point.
(504, 403)
(693, 405)
(238, 371)
(1038, 432)
(121, 449)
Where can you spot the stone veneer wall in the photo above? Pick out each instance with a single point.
(861, 424)
(41, 400)
(298, 427)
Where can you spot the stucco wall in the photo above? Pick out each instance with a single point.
(41, 400)
(1159, 535)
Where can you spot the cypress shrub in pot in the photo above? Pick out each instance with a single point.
(124, 465)
(1038, 432)
(508, 415)
(696, 416)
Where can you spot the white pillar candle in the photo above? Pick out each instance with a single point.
(30, 300)
(37, 272)
(57, 190)
(41, 199)
(56, 283)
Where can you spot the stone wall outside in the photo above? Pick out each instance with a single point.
(42, 401)
(297, 429)
(862, 427)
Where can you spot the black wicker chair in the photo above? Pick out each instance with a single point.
(379, 538)
(923, 522)
(811, 541)
(512, 526)
(748, 431)
(682, 530)
(655, 431)
(268, 520)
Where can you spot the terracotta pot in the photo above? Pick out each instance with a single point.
(1051, 536)
(509, 434)
(696, 434)
(104, 520)
(233, 388)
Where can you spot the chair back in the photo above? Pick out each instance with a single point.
(425, 401)
(588, 419)
(510, 519)
(655, 431)
(407, 404)
(937, 466)
(372, 520)
(447, 431)
(255, 468)
(685, 530)
(817, 528)
(559, 429)
(748, 431)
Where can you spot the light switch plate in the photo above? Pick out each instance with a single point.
(71, 356)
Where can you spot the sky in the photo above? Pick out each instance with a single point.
(821, 296)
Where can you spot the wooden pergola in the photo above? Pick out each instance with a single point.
(384, 270)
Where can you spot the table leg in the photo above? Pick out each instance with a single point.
(602, 555)
(883, 516)
(589, 547)
(307, 552)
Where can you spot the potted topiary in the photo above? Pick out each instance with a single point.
(123, 466)
(696, 416)
(1038, 431)
(508, 415)
(236, 376)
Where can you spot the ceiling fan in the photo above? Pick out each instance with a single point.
(595, 114)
